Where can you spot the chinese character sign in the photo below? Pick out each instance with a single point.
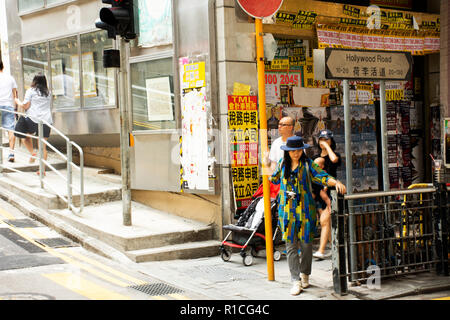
(243, 128)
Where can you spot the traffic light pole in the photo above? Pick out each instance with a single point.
(124, 130)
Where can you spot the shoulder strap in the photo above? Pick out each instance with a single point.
(307, 174)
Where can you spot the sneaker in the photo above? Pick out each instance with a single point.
(296, 288)
(11, 157)
(319, 255)
(32, 158)
(305, 280)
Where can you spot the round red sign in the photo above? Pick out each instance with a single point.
(260, 8)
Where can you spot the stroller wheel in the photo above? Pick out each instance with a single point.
(247, 260)
(276, 255)
(226, 255)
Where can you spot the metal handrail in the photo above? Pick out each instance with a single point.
(67, 158)
(388, 193)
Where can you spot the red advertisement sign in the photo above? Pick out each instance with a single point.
(243, 134)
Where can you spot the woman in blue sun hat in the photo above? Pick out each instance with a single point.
(297, 209)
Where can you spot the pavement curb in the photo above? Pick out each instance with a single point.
(418, 291)
(63, 228)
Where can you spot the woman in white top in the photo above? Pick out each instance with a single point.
(37, 106)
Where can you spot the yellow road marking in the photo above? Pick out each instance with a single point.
(446, 298)
(7, 215)
(178, 296)
(84, 287)
(69, 260)
(104, 267)
(37, 234)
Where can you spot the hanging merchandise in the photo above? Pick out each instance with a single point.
(447, 142)
(295, 88)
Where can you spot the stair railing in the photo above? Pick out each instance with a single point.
(42, 162)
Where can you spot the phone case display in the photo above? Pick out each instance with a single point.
(364, 146)
(435, 128)
(400, 142)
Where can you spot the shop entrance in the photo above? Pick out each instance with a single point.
(412, 106)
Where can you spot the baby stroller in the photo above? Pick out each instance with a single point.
(249, 232)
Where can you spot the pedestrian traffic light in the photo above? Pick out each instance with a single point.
(119, 19)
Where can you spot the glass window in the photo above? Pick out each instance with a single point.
(27, 5)
(49, 2)
(98, 82)
(35, 60)
(153, 95)
(65, 73)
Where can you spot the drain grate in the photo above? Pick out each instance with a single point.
(23, 223)
(156, 289)
(56, 242)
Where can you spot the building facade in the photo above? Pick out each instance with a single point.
(190, 60)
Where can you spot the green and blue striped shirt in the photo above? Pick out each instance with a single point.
(297, 217)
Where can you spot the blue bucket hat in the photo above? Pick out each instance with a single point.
(295, 143)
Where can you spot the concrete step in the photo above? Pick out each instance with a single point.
(150, 228)
(190, 250)
(27, 185)
(153, 235)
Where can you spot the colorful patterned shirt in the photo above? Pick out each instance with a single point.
(297, 216)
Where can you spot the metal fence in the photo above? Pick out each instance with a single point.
(397, 232)
(67, 158)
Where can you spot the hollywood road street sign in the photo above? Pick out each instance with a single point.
(343, 64)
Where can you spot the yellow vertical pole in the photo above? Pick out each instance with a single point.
(264, 147)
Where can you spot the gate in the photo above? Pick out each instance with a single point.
(396, 233)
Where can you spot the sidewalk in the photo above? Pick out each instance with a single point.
(232, 280)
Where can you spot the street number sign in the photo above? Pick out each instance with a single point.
(343, 64)
(260, 9)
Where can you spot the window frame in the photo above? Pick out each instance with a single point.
(44, 6)
(80, 62)
(159, 55)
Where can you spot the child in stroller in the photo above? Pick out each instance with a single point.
(249, 231)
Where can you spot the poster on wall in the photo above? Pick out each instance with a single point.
(89, 82)
(243, 133)
(88, 67)
(57, 77)
(195, 160)
(193, 75)
(195, 140)
(159, 99)
(155, 23)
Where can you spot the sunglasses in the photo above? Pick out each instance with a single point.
(284, 125)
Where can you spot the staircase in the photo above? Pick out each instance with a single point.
(153, 236)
